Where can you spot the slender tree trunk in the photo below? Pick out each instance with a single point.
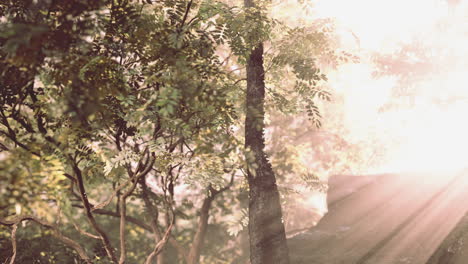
(266, 230)
(199, 238)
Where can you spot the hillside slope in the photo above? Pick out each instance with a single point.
(384, 219)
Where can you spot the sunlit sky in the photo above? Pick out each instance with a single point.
(379, 23)
(426, 136)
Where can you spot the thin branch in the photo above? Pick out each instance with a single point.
(55, 232)
(123, 205)
(225, 60)
(89, 215)
(187, 10)
(122, 186)
(236, 69)
(83, 232)
(130, 219)
(13, 242)
(229, 185)
(12, 136)
(180, 249)
(153, 213)
(109, 200)
(161, 243)
(240, 80)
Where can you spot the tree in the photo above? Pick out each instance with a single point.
(118, 124)
(290, 61)
(94, 110)
(266, 229)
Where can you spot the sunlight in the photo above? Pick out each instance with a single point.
(423, 132)
(318, 202)
(284, 131)
(391, 20)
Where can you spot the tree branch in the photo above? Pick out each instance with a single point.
(187, 10)
(106, 202)
(153, 213)
(83, 232)
(161, 243)
(180, 249)
(123, 205)
(55, 232)
(89, 215)
(13, 242)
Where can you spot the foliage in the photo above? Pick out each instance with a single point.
(134, 106)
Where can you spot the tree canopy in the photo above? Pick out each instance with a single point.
(120, 125)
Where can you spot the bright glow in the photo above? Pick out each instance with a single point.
(427, 132)
(318, 202)
(379, 23)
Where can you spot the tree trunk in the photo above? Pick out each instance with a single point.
(266, 230)
(199, 238)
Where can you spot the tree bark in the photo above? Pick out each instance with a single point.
(266, 230)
